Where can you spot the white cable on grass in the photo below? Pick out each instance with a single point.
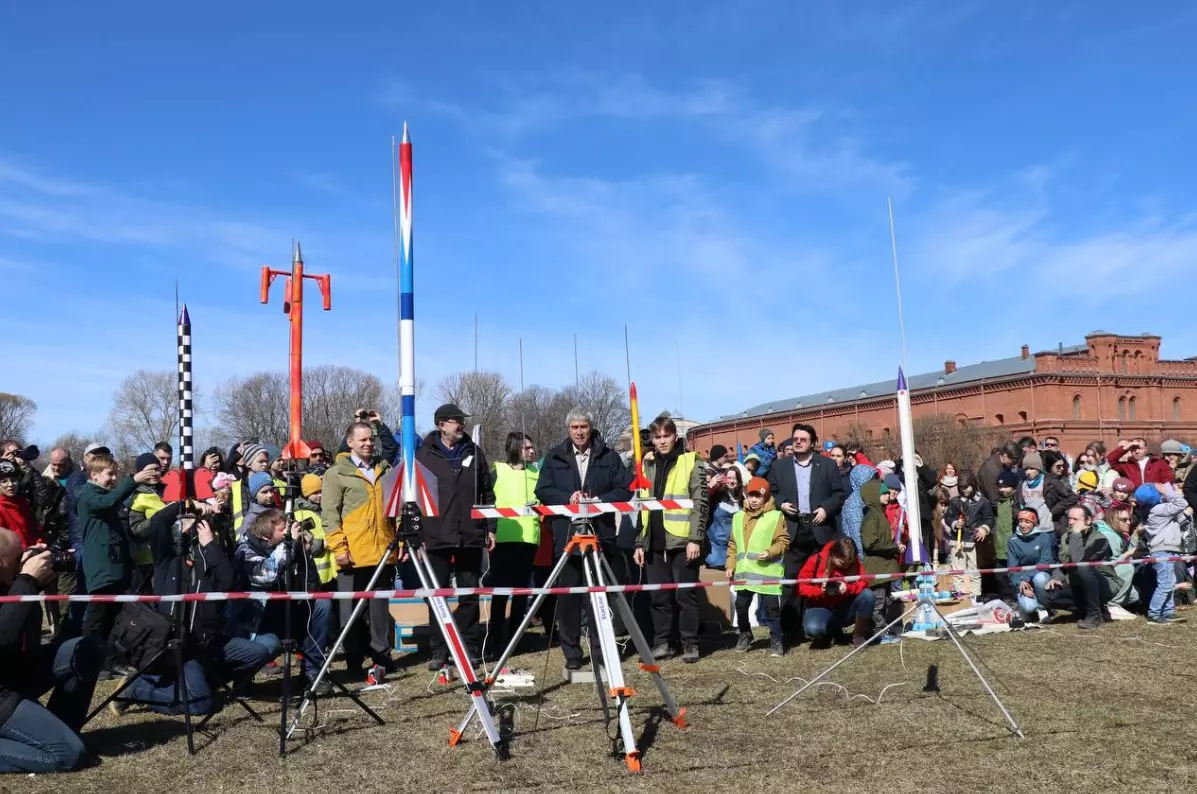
(840, 687)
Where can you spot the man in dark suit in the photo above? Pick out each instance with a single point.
(808, 489)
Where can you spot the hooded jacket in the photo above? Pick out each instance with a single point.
(463, 479)
(17, 514)
(781, 535)
(1161, 525)
(977, 513)
(107, 559)
(816, 568)
(607, 479)
(853, 512)
(1034, 548)
(1059, 498)
(876, 535)
(207, 570)
(353, 513)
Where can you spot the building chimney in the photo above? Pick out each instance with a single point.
(949, 367)
(1026, 352)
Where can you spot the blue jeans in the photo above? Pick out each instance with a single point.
(237, 660)
(37, 739)
(310, 629)
(1028, 605)
(821, 621)
(1162, 603)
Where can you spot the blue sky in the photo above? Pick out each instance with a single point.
(709, 173)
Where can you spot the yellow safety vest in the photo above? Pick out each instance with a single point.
(148, 504)
(324, 563)
(516, 488)
(749, 568)
(677, 486)
(239, 506)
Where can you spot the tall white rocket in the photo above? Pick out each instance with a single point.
(915, 553)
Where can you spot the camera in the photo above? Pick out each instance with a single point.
(307, 525)
(63, 561)
(832, 588)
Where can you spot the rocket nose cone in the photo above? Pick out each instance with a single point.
(184, 317)
(405, 138)
(632, 390)
(297, 257)
(901, 380)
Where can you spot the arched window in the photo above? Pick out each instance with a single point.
(1121, 409)
(962, 420)
(1124, 354)
(1176, 409)
(1022, 416)
(886, 434)
(1132, 409)
(1076, 407)
(999, 418)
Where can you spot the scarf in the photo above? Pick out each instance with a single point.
(1035, 483)
(949, 482)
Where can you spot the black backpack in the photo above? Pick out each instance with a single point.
(141, 637)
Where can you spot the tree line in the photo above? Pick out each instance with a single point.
(144, 409)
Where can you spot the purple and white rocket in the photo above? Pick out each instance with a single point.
(915, 553)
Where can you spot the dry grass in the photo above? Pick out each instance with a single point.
(1102, 711)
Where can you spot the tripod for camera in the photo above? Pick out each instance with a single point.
(288, 642)
(925, 605)
(176, 647)
(598, 575)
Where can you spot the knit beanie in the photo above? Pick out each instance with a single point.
(143, 460)
(310, 484)
(892, 481)
(251, 452)
(259, 480)
(1086, 480)
(717, 451)
(1032, 460)
(1007, 479)
(765, 433)
(1147, 496)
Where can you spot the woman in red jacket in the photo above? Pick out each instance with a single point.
(832, 605)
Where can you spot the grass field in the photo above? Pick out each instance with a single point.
(1103, 711)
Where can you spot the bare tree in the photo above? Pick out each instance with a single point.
(539, 412)
(942, 439)
(255, 406)
(16, 413)
(605, 399)
(484, 396)
(331, 394)
(145, 410)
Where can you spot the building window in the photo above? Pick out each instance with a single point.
(886, 434)
(1076, 407)
(1176, 409)
(1132, 409)
(1022, 416)
(1124, 353)
(999, 418)
(1121, 409)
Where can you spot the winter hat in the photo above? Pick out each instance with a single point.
(251, 452)
(310, 484)
(1007, 479)
(1147, 496)
(222, 480)
(315, 446)
(8, 470)
(1032, 460)
(143, 460)
(886, 467)
(884, 488)
(1171, 447)
(752, 456)
(828, 446)
(758, 485)
(765, 433)
(97, 449)
(257, 481)
(1123, 484)
(892, 481)
(1086, 480)
(717, 451)
(789, 442)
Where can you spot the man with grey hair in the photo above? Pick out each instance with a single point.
(582, 467)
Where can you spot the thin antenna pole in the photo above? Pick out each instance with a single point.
(893, 241)
(627, 354)
(475, 342)
(398, 275)
(577, 378)
(681, 404)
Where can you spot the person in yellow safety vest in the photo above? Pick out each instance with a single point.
(516, 540)
(670, 545)
(308, 507)
(756, 552)
(255, 458)
(142, 505)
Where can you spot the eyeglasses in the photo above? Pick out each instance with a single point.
(1052, 444)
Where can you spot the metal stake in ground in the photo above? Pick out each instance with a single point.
(951, 635)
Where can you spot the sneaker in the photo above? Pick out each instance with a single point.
(690, 655)
(777, 649)
(1173, 619)
(1089, 622)
(375, 677)
(575, 663)
(1160, 621)
(744, 643)
(118, 707)
(890, 639)
(438, 660)
(662, 652)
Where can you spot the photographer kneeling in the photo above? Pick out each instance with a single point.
(213, 655)
(34, 738)
(261, 557)
(834, 604)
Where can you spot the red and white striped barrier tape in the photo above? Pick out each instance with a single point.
(455, 592)
(581, 509)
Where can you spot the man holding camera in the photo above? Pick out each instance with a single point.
(33, 738)
(384, 440)
(1132, 460)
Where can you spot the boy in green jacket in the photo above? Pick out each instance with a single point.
(107, 557)
(881, 552)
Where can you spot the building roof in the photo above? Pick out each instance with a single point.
(985, 370)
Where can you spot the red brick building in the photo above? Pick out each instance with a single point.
(1109, 388)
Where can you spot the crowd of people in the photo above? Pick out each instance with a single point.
(247, 519)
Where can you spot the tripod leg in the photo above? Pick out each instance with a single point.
(648, 662)
(448, 626)
(358, 608)
(852, 653)
(601, 609)
(960, 647)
